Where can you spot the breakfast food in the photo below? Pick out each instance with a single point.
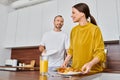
(68, 69)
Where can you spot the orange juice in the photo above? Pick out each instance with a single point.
(43, 66)
(43, 77)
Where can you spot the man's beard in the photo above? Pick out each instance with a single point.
(59, 27)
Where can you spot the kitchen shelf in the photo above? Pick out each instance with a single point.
(18, 68)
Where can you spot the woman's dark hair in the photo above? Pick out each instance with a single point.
(82, 7)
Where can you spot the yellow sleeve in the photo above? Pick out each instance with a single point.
(99, 46)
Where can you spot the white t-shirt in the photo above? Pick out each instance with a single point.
(55, 41)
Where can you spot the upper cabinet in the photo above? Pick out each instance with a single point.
(108, 19)
(29, 29)
(49, 11)
(65, 9)
(35, 27)
(22, 27)
(26, 26)
(11, 29)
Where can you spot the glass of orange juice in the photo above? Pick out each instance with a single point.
(43, 65)
(43, 77)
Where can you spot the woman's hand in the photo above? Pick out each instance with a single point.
(65, 63)
(86, 68)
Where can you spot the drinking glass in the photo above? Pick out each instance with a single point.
(43, 65)
(43, 77)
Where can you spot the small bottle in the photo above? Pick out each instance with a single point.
(23, 64)
(20, 64)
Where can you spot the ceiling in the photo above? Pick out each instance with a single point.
(6, 2)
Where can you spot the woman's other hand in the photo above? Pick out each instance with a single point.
(86, 68)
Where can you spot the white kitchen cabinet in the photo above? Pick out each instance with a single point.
(49, 11)
(29, 26)
(22, 27)
(11, 29)
(108, 19)
(32, 22)
(35, 27)
(65, 9)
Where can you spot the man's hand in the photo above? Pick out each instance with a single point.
(41, 48)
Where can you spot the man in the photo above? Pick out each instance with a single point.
(55, 40)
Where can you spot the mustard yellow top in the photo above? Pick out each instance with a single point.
(86, 42)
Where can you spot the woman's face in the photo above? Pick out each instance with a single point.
(76, 15)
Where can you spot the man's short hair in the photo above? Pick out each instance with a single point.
(57, 16)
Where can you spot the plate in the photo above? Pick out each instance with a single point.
(49, 52)
(70, 73)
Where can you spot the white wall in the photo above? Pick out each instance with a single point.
(4, 53)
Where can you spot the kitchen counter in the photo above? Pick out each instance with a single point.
(111, 71)
(34, 75)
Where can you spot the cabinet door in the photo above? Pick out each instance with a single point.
(22, 27)
(11, 29)
(65, 9)
(108, 19)
(35, 28)
(49, 11)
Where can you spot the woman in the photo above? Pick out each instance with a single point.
(86, 42)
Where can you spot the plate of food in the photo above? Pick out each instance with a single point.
(68, 71)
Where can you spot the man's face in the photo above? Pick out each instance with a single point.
(58, 22)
